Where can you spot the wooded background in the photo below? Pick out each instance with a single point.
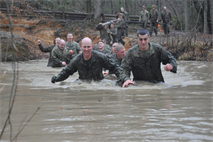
(188, 15)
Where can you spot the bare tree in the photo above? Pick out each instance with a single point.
(97, 7)
(186, 15)
(205, 23)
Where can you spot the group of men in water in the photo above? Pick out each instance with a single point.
(92, 61)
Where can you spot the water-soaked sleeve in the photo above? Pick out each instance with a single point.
(67, 71)
(126, 67)
(167, 57)
(111, 65)
(48, 49)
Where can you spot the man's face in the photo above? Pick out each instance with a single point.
(122, 10)
(69, 37)
(143, 41)
(112, 26)
(62, 45)
(120, 16)
(105, 28)
(143, 9)
(57, 41)
(113, 47)
(121, 53)
(86, 47)
(153, 8)
(100, 45)
(164, 8)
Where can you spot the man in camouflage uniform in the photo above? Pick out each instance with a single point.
(113, 47)
(166, 19)
(119, 54)
(89, 64)
(73, 46)
(59, 55)
(153, 20)
(49, 49)
(113, 31)
(144, 60)
(119, 24)
(144, 16)
(107, 46)
(102, 49)
(105, 34)
(126, 19)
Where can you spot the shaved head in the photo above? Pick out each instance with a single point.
(86, 40)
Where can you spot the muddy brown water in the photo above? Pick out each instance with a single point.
(179, 110)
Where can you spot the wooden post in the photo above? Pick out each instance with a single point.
(0, 51)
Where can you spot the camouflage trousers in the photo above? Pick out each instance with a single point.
(144, 24)
(166, 28)
(153, 26)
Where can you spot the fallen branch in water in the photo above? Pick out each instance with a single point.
(26, 123)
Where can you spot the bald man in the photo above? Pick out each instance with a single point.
(59, 55)
(89, 64)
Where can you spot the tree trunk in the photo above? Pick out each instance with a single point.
(186, 16)
(205, 23)
(97, 7)
(199, 8)
(89, 6)
(209, 16)
(112, 12)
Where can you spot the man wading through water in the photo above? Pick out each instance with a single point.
(89, 64)
(144, 60)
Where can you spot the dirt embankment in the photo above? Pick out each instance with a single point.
(186, 46)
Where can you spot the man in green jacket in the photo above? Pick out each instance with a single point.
(49, 49)
(144, 16)
(153, 20)
(102, 48)
(59, 55)
(166, 20)
(119, 24)
(144, 61)
(73, 46)
(89, 64)
(105, 33)
(126, 19)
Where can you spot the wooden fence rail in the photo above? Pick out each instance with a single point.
(61, 15)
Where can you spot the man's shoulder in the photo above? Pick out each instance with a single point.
(98, 54)
(113, 56)
(156, 46)
(75, 43)
(55, 48)
(133, 48)
(77, 58)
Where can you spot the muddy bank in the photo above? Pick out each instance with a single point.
(184, 46)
